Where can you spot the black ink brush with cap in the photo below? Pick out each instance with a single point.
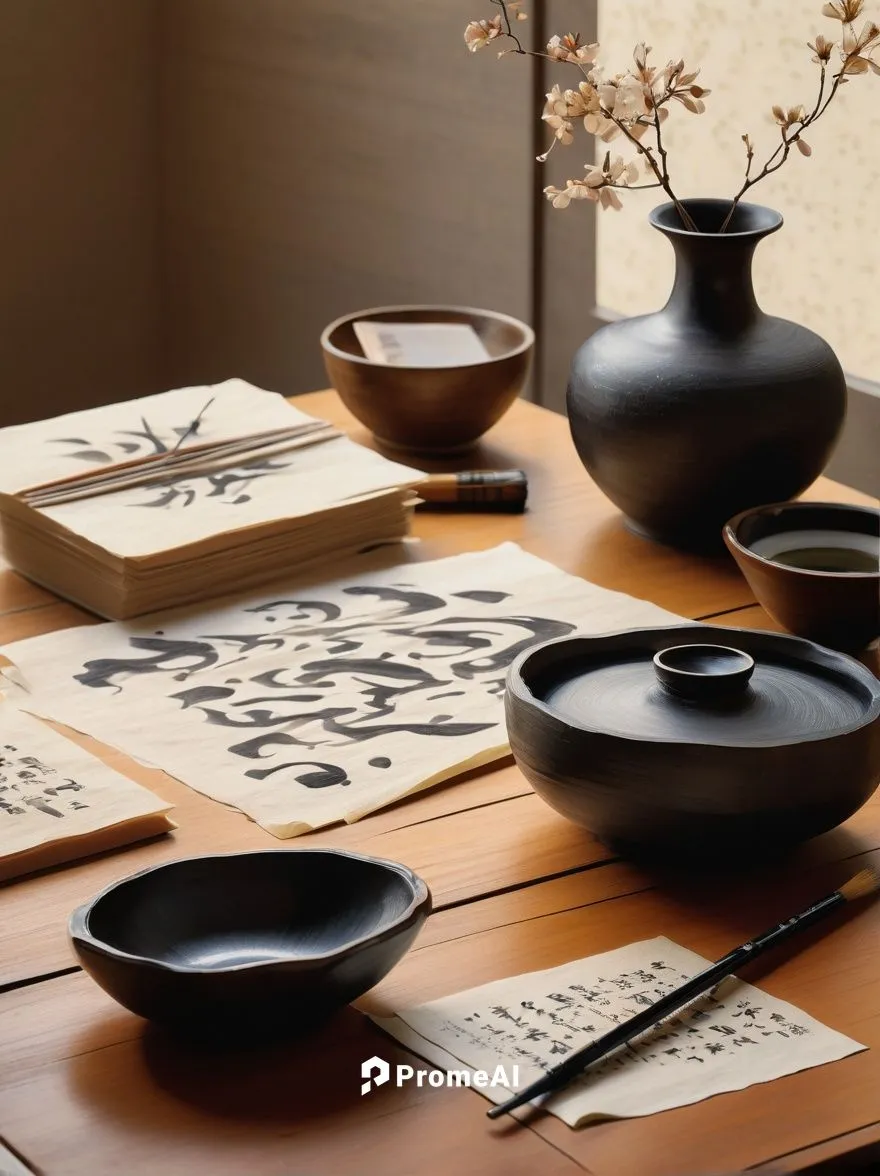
(505, 491)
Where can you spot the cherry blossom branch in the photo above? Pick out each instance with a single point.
(634, 101)
(662, 177)
(815, 113)
(660, 148)
(568, 51)
(796, 120)
(686, 219)
(508, 28)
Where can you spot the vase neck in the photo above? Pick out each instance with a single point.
(713, 283)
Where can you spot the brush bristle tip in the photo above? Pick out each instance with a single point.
(861, 885)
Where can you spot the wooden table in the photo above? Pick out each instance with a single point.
(87, 1089)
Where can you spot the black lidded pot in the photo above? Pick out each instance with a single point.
(696, 742)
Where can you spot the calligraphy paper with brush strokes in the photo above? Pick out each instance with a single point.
(322, 702)
(93, 439)
(729, 1039)
(144, 520)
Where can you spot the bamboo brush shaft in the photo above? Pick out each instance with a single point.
(476, 490)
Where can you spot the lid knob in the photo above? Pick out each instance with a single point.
(704, 673)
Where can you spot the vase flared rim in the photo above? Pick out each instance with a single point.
(751, 221)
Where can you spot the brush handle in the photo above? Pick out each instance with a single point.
(475, 490)
(698, 985)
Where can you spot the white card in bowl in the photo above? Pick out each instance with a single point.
(420, 344)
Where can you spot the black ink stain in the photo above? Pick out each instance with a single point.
(380, 761)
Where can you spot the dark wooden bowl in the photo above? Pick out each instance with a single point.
(430, 410)
(836, 608)
(243, 943)
(786, 752)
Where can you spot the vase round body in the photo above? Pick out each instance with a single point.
(708, 407)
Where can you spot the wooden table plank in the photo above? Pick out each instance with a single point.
(42, 618)
(118, 1089)
(126, 1101)
(617, 879)
(857, 1151)
(17, 593)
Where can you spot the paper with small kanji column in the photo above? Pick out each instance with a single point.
(733, 1038)
(58, 802)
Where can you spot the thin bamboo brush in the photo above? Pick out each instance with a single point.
(178, 464)
(861, 885)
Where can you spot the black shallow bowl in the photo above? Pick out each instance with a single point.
(656, 771)
(244, 942)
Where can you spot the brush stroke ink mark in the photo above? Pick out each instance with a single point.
(146, 443)
(326, 776)
(483, 596)
(166, 656)
(230, 488)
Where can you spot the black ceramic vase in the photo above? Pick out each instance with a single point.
(708, 407)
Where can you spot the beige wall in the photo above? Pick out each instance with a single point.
(194, 188)
(79, 263)
(323, 156)
(822, 268)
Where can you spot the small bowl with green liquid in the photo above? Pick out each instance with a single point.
(814, 567)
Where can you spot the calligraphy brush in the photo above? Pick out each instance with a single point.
(860, 886)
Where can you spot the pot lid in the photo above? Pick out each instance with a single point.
(702, 684)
